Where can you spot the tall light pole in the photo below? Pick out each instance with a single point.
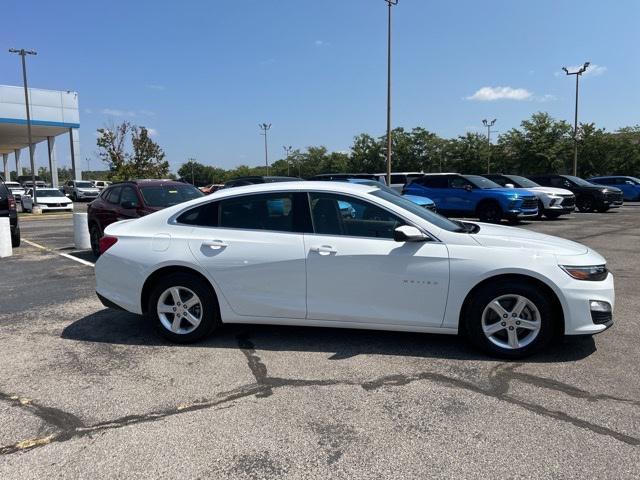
(390, 4)
(23, 53)
(265, 127)
(577, 73)
(287, 152)
(489, 124)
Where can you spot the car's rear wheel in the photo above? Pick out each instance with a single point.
(15, 238)
(95, 234)
(183, 308)
(510, 320)
(585, 204)
(603, 208)
(490, 212)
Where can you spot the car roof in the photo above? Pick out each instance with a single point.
(149, 182)
(300, 185)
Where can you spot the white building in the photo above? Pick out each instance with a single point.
(53, 113)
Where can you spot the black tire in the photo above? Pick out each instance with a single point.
(15, 238)
(95, 234)
(603, 208)
(490, 212)
(540, 210)
(208, 301)
(74, 197)
(585, 204)
(482, 298)
(552, 215)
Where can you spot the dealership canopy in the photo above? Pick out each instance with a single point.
(53, 113)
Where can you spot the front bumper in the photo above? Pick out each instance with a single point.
(579, 317)
(55, 208)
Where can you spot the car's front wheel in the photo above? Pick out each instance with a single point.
(510, 320)
(490, 212)
(183, 308)
(15, 238)
(585, 204)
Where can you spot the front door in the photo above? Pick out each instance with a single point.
(356, 272)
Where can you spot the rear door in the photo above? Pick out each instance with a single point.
(253, 248)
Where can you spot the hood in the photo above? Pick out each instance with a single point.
(551, 190)
(54, 200)
(509, 237)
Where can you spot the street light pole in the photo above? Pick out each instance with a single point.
(489, 124)
(23, 53)
(265, 127)
(390, 4)
(287, 152)
(577, 73)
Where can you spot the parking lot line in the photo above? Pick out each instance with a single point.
(65, 255)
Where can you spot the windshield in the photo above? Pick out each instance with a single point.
(375, 183)
(49, 193)
(481, 182)
(166, 195)
(428, 215)
(578, 181)
(522, 182)
(84, 185)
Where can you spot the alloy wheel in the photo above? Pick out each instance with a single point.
(511, 321)
(179, 310)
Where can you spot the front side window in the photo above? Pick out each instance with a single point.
(459, 182)
(334, 214)
(167, 195)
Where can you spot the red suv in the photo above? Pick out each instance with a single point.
(133, 199)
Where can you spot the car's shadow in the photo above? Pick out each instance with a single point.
(116, 327)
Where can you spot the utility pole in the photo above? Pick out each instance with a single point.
(265, 128)
(88, 166)
(489, 124)
(577, 73)
(390, 4)
(193, 182)
(23, 53)
(287, 152)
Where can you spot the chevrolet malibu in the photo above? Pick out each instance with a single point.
(287, 254)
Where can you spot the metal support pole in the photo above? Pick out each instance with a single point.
(390, 4)
(265, 127)
(16, 154)
(53, 165)
(5, 164)
(577, 73)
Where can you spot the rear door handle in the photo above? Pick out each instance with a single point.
(324, 250)
(214, 244)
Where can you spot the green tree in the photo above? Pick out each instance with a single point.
(144, 158)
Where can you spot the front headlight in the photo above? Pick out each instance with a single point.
(592, 273)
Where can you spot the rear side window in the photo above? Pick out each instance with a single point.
(205, 215)
(113, 195)
(438, 181)
(273, 211)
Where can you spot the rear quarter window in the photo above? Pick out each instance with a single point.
(205, 215)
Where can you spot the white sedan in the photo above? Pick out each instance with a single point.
(286, 254)
(49, 199)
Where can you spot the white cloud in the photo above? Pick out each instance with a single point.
(88, 110)
(152, 132)
(147, 113)
(547, 97)
(117, 113)
(156, 87)
(489, 94)
(321, 43)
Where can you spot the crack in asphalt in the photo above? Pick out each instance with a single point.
(500, 378)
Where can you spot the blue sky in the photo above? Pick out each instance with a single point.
(203, 74)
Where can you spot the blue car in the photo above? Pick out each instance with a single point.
(474, 196)
(417, 199)
(630, 186)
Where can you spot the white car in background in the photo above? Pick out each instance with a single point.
(101, 184)
(16, 190)
(81, 190)
(49, 199)
(286, 254)
(552, 201)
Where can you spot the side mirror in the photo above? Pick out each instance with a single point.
(407, 233)
(509, 185)
(128, 205)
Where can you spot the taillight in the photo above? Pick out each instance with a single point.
(106, 243)
(12, 202)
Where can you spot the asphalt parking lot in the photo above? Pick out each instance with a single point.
(86, 392)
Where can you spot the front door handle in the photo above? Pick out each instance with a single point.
(214, 244)
(324, 250)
